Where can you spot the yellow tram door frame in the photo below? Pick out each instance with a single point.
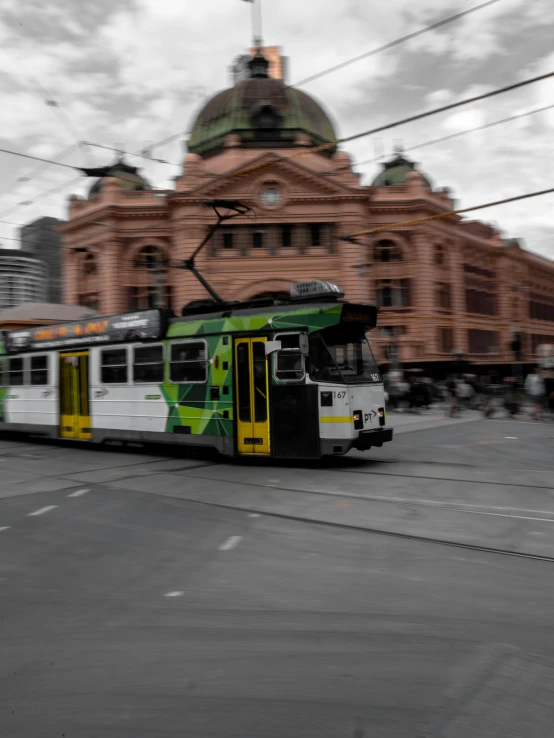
(74, 396)
(252, 396)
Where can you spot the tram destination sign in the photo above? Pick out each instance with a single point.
(137, 326)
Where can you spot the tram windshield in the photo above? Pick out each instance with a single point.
(342, 354)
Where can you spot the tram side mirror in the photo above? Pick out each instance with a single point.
(272, 346)
(303, 344)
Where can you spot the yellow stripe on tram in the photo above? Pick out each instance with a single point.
(336, 419)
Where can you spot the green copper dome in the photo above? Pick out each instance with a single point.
(263, 112)
(394, 172)
(128, 175)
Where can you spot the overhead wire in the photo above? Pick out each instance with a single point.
(387, 126)
(392, 44)
(450, 136)
(352, 237)
(336, 67)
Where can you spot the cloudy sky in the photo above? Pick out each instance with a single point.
(126, 73)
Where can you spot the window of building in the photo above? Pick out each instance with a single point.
(386, 251)
(286, 236)
(289, 362)
(113, 366)
(148, 364)
(15, 372)
(439, 256)
(189, 362)
(90, 300)
(393, 293)
(228, 240)
(145, 298)
(442, 296)
(89, 266)
(445, 340)
(482, 342)
(257, 239)
(480, 302)
(541, 307)
(150, 257)
(391, 331)
(315, 234)
(39, 369)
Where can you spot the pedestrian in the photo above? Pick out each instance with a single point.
(510, 398)
(453, 404)
(535, 388)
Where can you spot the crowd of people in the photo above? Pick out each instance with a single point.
(491, 395)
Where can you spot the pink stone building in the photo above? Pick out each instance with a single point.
(442, 285)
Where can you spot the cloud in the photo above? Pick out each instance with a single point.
(136, 71)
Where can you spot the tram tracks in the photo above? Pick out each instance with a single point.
(363, 529)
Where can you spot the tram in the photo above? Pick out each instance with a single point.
(283, 378)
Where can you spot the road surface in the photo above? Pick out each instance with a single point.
(149, 594)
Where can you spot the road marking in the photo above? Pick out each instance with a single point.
(254, 515)
(512, 438)
(176, 593)
(78, 493)
(43, 510)
(230, 543)
(6, 527)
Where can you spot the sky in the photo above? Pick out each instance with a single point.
(127, 73)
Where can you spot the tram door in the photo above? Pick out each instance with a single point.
(74, 396)
(252, 396)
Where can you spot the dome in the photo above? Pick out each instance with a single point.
(128, 175)
(264, 112)
(394, 172)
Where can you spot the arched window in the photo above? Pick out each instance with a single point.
(439, 255)
(386, 251)
(89, 265)
(150, 257)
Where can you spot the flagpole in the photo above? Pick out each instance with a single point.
(257, 23)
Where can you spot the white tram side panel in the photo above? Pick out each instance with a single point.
(35, 402)
(121, 404)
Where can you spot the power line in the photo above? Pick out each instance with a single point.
(388, 126)
(41, 196)
(39, 158)
(449, 137)
(441, 216)
(136, 153)
(394, 43)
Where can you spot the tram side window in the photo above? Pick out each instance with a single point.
(189, 362)
(289, 363)
(15, 372)
(113, 366)
(148, 364)
(39, 369)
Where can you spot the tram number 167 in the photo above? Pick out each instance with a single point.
(340, 395)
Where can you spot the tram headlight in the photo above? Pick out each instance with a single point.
(381, 415)
(358, 419)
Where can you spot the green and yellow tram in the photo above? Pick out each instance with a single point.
(281, 378)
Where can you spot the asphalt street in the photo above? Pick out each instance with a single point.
(153, 593)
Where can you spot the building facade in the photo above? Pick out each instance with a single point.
(42, 238)
(443, 286)
(22, 278)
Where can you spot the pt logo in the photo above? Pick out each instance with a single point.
(368, 417)
(99, 394)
